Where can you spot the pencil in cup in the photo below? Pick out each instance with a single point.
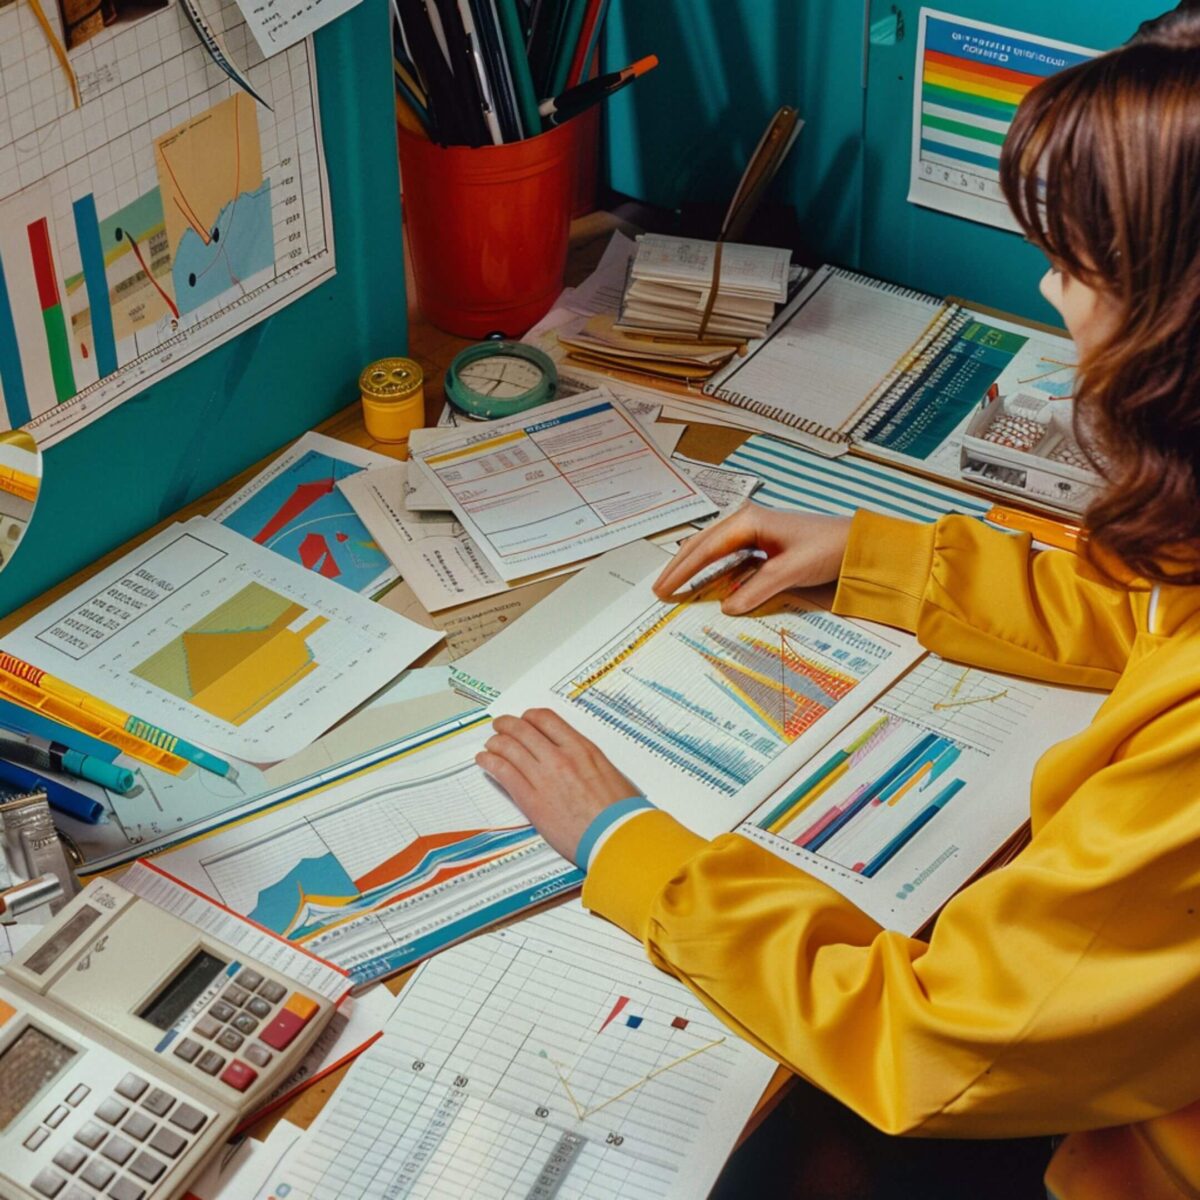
(144, 741)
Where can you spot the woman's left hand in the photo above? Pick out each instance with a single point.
(555, 776)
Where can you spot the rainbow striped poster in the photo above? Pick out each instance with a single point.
(969, 79)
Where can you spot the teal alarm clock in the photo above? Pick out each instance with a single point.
(500, 379)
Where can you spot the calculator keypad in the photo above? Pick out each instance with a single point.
(238, 1033)
(126, 1145)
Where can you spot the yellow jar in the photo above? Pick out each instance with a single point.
(393, 399)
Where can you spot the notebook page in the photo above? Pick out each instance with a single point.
(832, 345)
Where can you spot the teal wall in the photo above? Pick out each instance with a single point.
(684, 132)
(207, 422)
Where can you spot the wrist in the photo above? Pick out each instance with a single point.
(603, 824)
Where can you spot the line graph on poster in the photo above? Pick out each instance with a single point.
(162, 218)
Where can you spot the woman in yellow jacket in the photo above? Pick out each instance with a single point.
(1061, 993)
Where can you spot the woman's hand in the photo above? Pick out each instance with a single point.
(554, 775)
(802, 549)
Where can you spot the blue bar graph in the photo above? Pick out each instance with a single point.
(912, 829)
(12, 376)
(91, 251)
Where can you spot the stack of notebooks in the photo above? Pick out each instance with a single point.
(661, 328)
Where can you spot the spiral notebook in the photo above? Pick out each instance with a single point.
(826, 354)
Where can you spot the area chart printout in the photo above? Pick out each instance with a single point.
(382, 866)
(296, 509)
(707, 713)
(549, 1061)
(907, 803)
(166, 214)
(970, 77)
(217, 640)
(560, 483)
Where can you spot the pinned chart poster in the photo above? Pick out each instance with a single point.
(221, 642)
(969, 79)
(296, 508)
(165, 215)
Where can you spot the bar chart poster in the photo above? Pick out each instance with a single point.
(162, 215)
(969, 79)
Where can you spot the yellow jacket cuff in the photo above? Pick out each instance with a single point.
(885, 570)
(634, 864)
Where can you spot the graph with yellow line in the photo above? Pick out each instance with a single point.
(548, 1059)
(245, 654)
(721, 697)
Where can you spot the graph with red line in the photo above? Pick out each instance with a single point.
(165, 214)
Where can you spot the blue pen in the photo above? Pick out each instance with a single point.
(65, 799)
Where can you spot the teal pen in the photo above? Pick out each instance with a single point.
(52, 756)
(176, 745)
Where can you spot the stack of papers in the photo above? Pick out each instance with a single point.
(670, 279)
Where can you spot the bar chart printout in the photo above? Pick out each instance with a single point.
(905, 803)
(718, 700)
(548, 1060)
(969, 80)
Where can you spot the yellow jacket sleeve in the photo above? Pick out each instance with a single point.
(985, 598)
(1057, 993)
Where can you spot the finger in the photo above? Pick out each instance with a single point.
(773, 577)
(509, 749)
(507, 776)
(529, 736)
(557, 730)
(735, 532)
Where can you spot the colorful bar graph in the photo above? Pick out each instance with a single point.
(893, 847)
(53, 316)
(91, 252)
(12, 376)
(893, 777)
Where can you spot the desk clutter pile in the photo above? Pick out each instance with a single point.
(280, 705)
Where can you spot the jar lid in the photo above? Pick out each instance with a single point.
(391, 379)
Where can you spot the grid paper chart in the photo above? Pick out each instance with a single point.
(164, 216)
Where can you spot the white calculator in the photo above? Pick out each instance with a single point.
(131, 1044)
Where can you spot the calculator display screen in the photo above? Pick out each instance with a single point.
(33, 1060)
(180, 991)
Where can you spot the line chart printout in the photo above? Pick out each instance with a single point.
(563, 483)
(164, 216)
(906, 805)
(296, 508)
(707, 713)
(383, 866)
(217, 640)
(548, 1060)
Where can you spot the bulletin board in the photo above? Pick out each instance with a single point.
(179, 438)
(684, 132)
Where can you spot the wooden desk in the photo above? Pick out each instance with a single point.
(433, 349)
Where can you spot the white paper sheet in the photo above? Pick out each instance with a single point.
(547, 1059)
(561, 484)
(294, 508)
(708, 714)
(911, 800)
(219, 641)
(278, 24)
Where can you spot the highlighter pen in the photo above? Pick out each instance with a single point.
(112, 715)
(53, 756)
(574, 100)
(66, 800)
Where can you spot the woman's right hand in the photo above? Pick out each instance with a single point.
(802, 549)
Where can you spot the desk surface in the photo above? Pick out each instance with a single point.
(433, 349)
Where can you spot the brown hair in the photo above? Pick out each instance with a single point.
(1102, 170)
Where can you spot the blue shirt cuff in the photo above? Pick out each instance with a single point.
(602, 822)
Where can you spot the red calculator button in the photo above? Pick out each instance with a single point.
(292, 1018)
(238, 1075)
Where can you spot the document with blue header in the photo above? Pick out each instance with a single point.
(560, 483)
